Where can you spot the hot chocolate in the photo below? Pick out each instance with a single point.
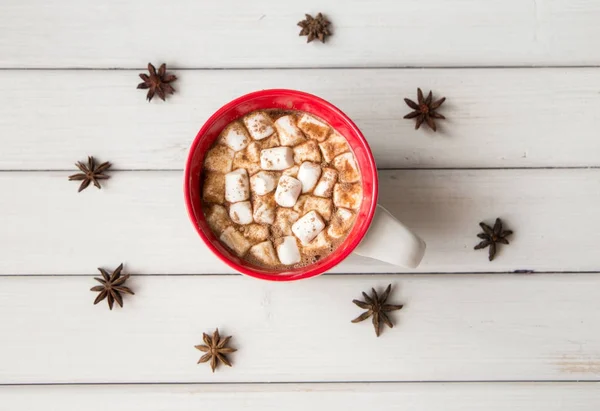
(281, 188)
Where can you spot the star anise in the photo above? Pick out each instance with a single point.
(157, 82)
(90, 173)
(215, 350)
(112, 287)
(492, 236)
(425, 110)
(376, 306)
(315, 27)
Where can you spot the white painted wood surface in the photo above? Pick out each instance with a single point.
(274, 397)
(495, 336)
(140, 218)
(496, 117)
(263, 33)
(452, 328)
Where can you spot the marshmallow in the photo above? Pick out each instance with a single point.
(278, 158)
(313, 128)
(292, 171)
(323, 206)
(213, 189)
(263, 182)
(270, 142)
(289, 133)
(253, 152)
(255, 233)
(288, 190)
(237, 187)
(308, 227)
(219, 158)
(264, 253)
(299, 206)
(309, 174)
(346, 166)
(284, 218)
(340, 223)
(235, 241)
(325, 185)
(308, 151)
(259, 125)
(333, 146)
(241, 213)
(235, 136)
(347, 195)
(241, 160)
(288, 252)
(217, 218)
(320, 243)
(264, 209)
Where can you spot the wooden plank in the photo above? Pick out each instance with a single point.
(452, 328)
(350, 397)
(140, 218)
(263, 33)
(496, 117)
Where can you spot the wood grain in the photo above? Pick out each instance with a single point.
(263, 33)
(517, 144)
(452, 328)
(139, 218)
(496, 117)
(350, 397)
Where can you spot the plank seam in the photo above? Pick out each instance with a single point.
(382, 382)
(494, 273)
(379, 169)
(256, 68)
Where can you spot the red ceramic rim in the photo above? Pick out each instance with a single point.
(286, 100)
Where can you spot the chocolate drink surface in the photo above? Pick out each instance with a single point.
(281, 189)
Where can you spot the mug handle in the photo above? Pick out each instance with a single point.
(391, 241)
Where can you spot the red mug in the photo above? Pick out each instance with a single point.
(375, 233)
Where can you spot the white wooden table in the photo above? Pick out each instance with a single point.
(521, 142)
